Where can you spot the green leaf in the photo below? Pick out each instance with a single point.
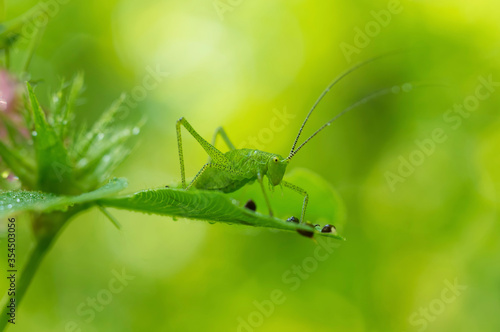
(212, 206)
(19, 201)
(104, 146)
(64, 102)
(18, 164)
(104, 157)
(54, 167)
(100, 128)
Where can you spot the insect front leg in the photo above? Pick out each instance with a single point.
(215, 154)
(259, 178)
(302, 192)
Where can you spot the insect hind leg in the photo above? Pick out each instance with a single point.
(222, 133)
(215, 154)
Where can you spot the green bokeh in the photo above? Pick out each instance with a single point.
(439, 225)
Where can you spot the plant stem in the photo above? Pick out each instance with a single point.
(46, 228)
(31, 48)
(35, 258)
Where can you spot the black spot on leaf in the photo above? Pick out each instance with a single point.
(251, 205)
(309, 234)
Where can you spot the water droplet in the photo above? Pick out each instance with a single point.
(100, 136)
(136, 131)
(18, 200)
(34, 133)
(9, 206)
(82, 162)
(407, 87)
(396, 89)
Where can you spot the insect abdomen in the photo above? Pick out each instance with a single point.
(246, 164)
(214, 179)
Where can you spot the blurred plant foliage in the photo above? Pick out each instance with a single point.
(54, 168)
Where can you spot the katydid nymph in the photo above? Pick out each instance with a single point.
(229, 171)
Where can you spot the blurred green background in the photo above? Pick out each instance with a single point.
(232, 66)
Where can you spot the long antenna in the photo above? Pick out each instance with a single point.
(335, 81)
(395, 89)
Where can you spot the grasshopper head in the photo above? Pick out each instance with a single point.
(276, 167)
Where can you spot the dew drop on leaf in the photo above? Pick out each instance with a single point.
(83, 162)
(396, 89)
(407, 87)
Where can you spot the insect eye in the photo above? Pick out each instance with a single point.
(276, 159)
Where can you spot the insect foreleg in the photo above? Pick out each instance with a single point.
(302, 192)
(222, 133)
(215, 154)
(259, 178)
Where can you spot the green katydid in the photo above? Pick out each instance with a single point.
(228, 172)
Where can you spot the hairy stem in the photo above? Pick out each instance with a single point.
(35, 258)
(46, 228)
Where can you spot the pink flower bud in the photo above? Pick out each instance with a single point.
(9, 92)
